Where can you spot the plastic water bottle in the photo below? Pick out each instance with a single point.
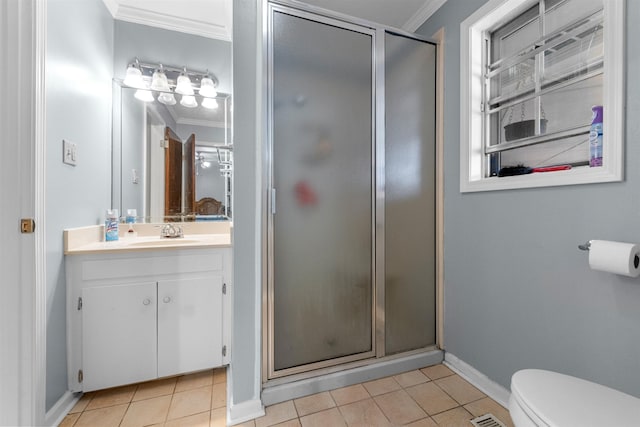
(595, 137)
(131, 216)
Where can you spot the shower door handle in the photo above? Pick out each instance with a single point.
(273, 201)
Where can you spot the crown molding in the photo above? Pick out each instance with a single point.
(112, 6)
(136, 15)
(417, 19)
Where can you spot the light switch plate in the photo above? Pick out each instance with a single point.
(69, 153)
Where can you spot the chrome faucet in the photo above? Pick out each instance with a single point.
(171, 231)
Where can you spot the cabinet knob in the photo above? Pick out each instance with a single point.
(167, 299)
(146, 301)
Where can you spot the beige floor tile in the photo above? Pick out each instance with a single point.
(103, 417)
(453, 418)
(218, 395)
(111, 397)
(314, 403)
(364, 413)
(290, 423)
(69, 420)
(411, 378)
(437, 371)
(198, 420)
(346, 395)
(399, 407)
(81, 404)
(425, 422)
(190, 402)
(219, 417)
(249, 423)
(381, 386)
(278, 413)
(220, 375)
(146, 412)
(156, 388)
(459, 389)
(489, 406)
(329, 417)
(431, 398)
(197, 380)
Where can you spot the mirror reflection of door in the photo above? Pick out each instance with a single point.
(173, 174)
(190, 174)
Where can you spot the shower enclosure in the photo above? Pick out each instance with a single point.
(350, 168)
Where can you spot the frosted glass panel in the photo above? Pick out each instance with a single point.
(410, 194)
(322, 173)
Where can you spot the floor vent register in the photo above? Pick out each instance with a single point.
(487, 420)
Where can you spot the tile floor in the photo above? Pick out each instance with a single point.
(432, 396)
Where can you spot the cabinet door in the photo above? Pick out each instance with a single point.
(189, 324)
(118, 335)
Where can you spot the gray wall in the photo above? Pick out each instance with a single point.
(79, 68)
(245, 373)
(518, 292)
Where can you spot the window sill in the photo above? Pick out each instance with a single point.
(579, 175)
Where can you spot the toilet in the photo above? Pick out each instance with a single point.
(549, 399)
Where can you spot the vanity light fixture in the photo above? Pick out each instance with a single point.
(167, 80)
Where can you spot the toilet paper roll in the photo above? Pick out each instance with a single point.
(615, 257)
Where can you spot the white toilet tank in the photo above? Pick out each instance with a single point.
(543, 398)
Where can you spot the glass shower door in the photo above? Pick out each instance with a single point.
(321, 130)
(410, 194)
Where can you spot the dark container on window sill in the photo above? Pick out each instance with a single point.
(523, 129)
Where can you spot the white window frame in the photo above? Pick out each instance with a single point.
(472, 159)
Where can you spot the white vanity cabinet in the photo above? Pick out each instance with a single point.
(141, 315)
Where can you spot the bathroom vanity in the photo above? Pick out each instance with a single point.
(144, 308)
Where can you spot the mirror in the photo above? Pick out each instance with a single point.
(174, 163)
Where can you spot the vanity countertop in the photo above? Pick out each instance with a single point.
(90, 240)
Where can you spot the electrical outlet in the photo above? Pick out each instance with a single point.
(134, 176)
(69, 153)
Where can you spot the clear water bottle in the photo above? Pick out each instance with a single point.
(595, 137)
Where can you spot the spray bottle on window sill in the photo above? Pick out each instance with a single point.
(595, 137)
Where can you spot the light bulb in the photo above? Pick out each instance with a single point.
(167, 98)
(159, 81)
(188, 101)
(205, 164)
(184, 85)
(133, 77)
(144, 95)
(209, 103)
(208, 88)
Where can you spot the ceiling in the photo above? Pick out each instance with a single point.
(213, 18)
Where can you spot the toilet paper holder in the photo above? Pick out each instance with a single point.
(585, 247)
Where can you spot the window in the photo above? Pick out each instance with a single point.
(531, 72)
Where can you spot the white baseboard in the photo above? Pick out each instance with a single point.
(56, 414)
(244, 411)
(478, 379)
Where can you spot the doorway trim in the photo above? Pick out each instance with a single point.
(24, 353)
